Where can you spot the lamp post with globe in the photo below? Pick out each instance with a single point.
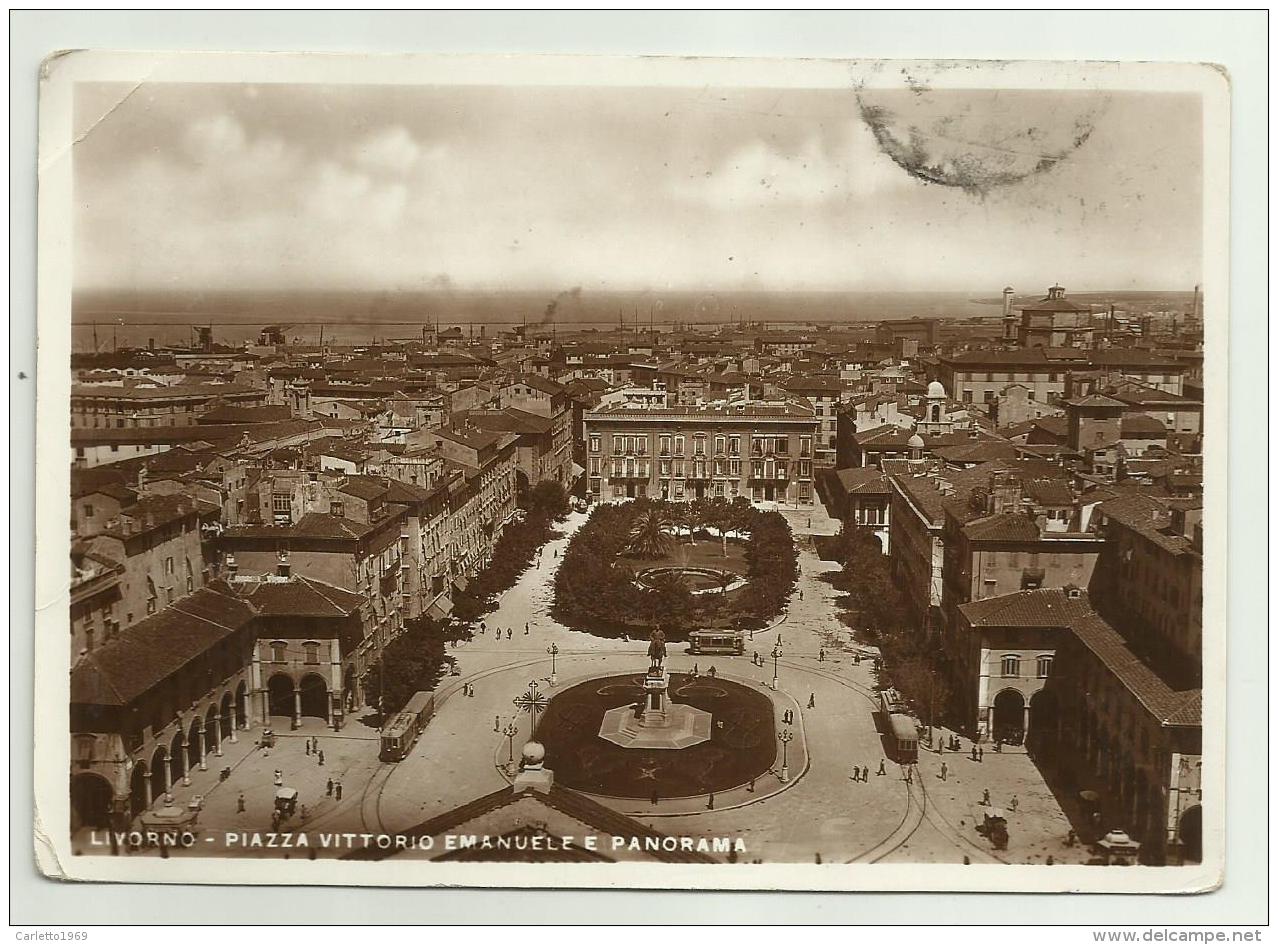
(776, 655)
(786, 736)
(553, 650)
(510, 731)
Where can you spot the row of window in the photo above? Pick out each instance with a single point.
(279, 652)
(1010, 666)
(724, 444)
(677, 490)
(642, 469)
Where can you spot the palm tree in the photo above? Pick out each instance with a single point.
(648, 537)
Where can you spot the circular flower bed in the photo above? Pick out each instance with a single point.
(697, 580)
(742, 745)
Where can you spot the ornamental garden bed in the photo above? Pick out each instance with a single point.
(596, 589)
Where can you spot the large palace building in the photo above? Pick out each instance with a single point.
(762, 450)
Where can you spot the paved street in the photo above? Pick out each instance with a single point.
(820, 812)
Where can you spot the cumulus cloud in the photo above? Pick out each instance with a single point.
(758, 174)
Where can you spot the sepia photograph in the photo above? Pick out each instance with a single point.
(673, 473)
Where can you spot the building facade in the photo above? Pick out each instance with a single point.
(763, 451)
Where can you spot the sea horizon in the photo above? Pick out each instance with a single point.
(135, 317)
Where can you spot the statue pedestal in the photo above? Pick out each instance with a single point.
(660, 724)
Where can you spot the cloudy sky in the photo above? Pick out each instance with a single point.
(244, 186)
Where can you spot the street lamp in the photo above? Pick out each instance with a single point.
(776, 655)
(553, 650)
(510, 731)
(786, 736)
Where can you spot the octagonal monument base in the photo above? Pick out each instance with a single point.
(682, 727)
(659, 723)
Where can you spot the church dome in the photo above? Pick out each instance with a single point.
(915, 442)
(936, 389)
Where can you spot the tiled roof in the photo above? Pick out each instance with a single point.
(1009, 526)
(122, 669)
(982, 451)
(300, 597)
(511, 420)
(1137, 424)
(1096, 400)
(363, 487)
(1147, 517)
(268, 413)
(863, 480)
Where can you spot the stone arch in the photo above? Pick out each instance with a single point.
(314, 696)
(212, 731)
(177, 759)
(139, 789)
(279, 695)
(91, 796)
(194, 744)
(159, 774)
(226, 716)
(1008, 715)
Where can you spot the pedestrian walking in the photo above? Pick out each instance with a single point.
(279, 778)
(940, 745)
(980, 754)
(525, 629)
(337, 790)
(321, 759)
(654, 798)
(509, 633)
(882, 768)
(472, 692)
(750, 786)
(800, 593)
(944, 770)
(909, 775)
(496, 723)
(713, 672)
(695, 670)
(1014, 803)
(308, 746)
(275, 823)
(239, 804)
(821, 656)
(328, 788)
(710, 802)
(985, 798)
(973, 752)
(812, 701)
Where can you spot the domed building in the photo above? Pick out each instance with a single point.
(936, 420)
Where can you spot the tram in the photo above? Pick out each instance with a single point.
(731, 642)
(400, 734)
(903, 739)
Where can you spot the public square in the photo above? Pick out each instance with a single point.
(818, 813)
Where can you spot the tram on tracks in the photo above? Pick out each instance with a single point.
(402, 731)
(731, 642)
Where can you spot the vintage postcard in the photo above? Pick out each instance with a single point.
(590, 472)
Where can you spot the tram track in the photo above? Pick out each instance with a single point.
(913, 817)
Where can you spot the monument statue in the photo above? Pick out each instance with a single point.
(657, 650)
